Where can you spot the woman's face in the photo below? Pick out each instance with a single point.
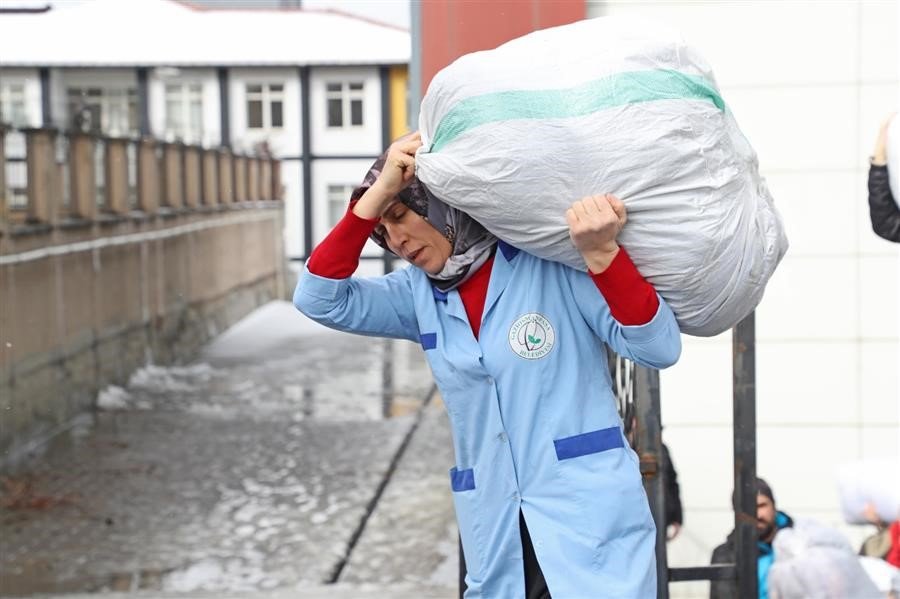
(413, 238)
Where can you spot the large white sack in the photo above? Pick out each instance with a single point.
(893, 156)
(815, 561)
(514, 135)
(873, 482)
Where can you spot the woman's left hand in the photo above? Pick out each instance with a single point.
(594, 224)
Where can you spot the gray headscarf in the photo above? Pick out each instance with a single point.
(472, 244)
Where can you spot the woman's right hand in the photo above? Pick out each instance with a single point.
(398, 172)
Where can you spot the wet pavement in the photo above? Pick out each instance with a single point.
(288, 461)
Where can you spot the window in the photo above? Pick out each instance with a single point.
(265, 106)
(12, 105)
(344, 103)
(110, 110)
(338, 200)
(184, 111)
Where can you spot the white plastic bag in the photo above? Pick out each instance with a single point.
(813, 560)
(617, 105)
(873, 482)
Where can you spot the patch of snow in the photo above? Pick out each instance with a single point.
(271, 326)
(113, 398)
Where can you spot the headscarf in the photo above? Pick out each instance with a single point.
(471, 243)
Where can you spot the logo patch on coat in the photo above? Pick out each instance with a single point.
(531, 336)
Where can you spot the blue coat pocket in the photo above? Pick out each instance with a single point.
(462, 480)
(428, 340)
(587, 443)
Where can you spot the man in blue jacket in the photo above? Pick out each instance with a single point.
(768, 522)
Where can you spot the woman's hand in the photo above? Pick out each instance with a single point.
(594, 224)
(398, 172)
(879, 156)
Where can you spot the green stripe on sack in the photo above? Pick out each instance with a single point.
(593, 96)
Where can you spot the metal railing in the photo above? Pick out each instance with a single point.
(48, 176)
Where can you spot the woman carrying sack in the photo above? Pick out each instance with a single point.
(548, 495)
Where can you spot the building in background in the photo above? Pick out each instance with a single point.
(322, 90)
(828, 330)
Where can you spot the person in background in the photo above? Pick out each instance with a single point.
(768, 522)
(674, 512)
(883, 208)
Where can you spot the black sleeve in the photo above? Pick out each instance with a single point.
(883, 211)
(674, 514)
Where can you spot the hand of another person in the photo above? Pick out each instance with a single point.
(879, 155)
(396, 175)
(594, 223)
(672, 531)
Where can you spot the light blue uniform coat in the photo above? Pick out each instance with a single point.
(535, 424)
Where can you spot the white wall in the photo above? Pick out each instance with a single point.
(283, 142)
(362, 140)
(335, 172)
(808, 83)
(31, 79)
(292, 179)
(156, 91)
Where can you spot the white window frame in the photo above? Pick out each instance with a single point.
(12, 96)
(338, 199)
(186, 94)
(110, 100)
(346, 92)
(268, 96)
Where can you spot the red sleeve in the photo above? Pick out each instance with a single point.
(631, 299)
(338, 255)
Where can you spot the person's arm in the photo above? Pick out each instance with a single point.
(380, 306)
(627, 314)
(883, 209)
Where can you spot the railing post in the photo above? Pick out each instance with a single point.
(192, 176)
(240, 178)
(744, 372)
(148, 177)
(210, 177)
(81, 173)
(266, 190)
(277, 186)
(4, 200)
(253, 179)
(226, 176)
(174, 187)
(41, 171)
(117, 176)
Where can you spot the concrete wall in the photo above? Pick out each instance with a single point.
(87, 296)
(808, 84)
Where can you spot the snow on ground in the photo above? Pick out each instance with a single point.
(263, 330)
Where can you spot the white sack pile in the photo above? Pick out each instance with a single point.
(869, 483)
(513, 136)
(815, 561)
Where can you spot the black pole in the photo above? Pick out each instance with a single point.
(744, 372)
(649, 446)
(46, 106)
(384, 73)
(224, 107)
(306, 162)
(143, 101)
